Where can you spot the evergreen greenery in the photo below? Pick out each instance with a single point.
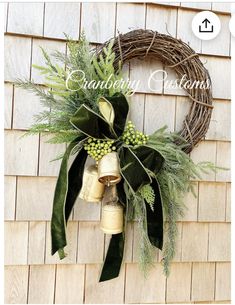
(145, 249)
(175, 180)
(148, 194)
(59, 103)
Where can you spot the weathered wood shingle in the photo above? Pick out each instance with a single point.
(95, 21)
(26, 18)
(62, 18)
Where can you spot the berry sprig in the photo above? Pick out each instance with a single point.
(133, 137)
(99, 148)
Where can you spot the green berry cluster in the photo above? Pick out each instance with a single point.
(133, 137)
(98, 148)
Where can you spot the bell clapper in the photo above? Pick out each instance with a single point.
(107, 181)
(114, 193)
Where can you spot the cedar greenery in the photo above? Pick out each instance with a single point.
(147, 193)
(59, 102)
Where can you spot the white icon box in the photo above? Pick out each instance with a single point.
(206, 25)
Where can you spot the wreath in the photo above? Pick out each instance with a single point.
(136, 176)
(178, 55)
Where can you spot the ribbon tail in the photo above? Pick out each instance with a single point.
(155, 218)
(114, 256)
(75, 181)
(113, 260)
(153, 161)
(65, 195)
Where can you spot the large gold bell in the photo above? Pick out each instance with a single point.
(92, 190)
(112, 218)
(108, 169)
(112, 214)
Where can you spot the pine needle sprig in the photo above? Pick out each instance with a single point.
(46, 98)
(175, 180)
(146, 251)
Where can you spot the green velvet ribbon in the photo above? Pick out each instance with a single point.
(68, 185)
(135, 166)
(113, 260)
(140, 160)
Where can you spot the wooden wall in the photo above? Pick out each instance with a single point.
(201, 269)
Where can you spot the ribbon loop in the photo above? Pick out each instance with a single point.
(101, 127)
(121, 108)
(91, 124)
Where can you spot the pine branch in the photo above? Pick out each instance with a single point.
(45, 96)
(175, 180)
(145, 248)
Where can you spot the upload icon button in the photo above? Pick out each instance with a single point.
(206, 25)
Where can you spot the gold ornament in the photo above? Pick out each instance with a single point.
(112, 215)
(92, 190)
(108, 169)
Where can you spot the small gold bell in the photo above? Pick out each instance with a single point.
(112, 216)
(92, 190)
(108, 169)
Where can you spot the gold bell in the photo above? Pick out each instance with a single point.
(108, 169)
(112, 216)
(92, 190)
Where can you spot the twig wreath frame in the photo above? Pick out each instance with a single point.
(175, 54)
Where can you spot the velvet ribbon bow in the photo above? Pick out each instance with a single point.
(135, 165)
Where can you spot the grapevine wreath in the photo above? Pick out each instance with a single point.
(136, 176)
